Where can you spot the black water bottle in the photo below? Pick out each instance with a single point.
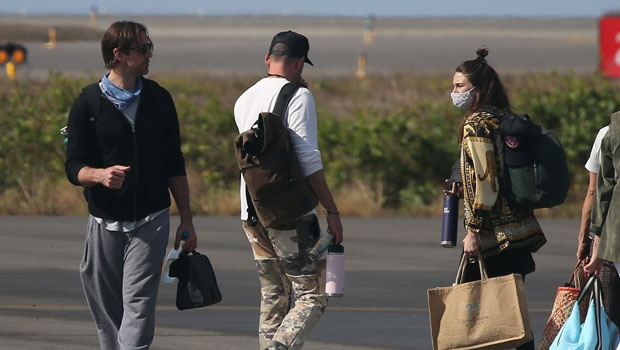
(450, 220)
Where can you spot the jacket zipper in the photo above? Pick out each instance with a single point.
(135, 158)
(135, 161)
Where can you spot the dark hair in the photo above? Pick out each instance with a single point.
(123, 35)
(489, 90)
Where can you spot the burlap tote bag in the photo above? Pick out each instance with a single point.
(487, 314)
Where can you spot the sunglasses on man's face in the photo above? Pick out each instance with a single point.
(142, 49)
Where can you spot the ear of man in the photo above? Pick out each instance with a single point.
(118, 54)
(299, 62)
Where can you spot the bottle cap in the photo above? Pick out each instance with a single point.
(336, 248)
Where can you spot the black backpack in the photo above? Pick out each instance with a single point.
(535, 167)
(276, 190)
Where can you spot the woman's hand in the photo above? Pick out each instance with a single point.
(454, 188)
(471, 243)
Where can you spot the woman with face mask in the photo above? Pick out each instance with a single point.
(502, 233)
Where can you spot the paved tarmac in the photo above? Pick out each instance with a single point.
(391, 262)
(225, 46)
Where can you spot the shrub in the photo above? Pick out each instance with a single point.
(391, 136)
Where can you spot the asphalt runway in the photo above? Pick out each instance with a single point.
(225, 46)
(391, 262)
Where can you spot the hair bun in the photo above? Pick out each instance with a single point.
(482, 53)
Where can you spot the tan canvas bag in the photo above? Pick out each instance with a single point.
(486, 314)
(276, 188)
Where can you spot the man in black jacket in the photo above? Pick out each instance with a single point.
(124, 148)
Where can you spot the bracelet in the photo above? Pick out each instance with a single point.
(327, 212)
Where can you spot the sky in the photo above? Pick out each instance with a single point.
(406, 8)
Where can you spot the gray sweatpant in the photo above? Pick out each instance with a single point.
(120, 276)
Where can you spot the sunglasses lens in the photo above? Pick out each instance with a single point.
(144, 48)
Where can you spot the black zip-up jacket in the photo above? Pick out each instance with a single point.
(100, 136)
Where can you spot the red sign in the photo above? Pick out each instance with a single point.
(609, 39)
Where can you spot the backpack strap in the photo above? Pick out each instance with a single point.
(94, 96)
(284, 97)
(493, 112)
(93, 100)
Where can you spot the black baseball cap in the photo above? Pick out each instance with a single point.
(297, 45)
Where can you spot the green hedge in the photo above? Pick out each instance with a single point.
(397, 133)
(31, 147)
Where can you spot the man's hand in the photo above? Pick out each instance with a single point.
(114, 176)
(596, 264)
(191, 242)
(334, 226)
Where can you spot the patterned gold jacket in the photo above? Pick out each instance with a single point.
(502, 225)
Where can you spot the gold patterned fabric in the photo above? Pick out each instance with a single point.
(502, 225)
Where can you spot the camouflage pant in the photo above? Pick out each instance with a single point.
(283, 264)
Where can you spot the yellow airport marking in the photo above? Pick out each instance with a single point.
(580, 39)
(234, 308)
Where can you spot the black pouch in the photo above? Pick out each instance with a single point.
(197, 285)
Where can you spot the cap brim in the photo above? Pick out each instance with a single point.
(307, 60)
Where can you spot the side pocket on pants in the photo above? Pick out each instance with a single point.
(84, 262)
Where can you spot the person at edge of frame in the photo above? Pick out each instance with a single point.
(124, 148)
(604, 217)
(610, 281)
(281, 254)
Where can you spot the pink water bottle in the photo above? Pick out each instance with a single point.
(334, 286)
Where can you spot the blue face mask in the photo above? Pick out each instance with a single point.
(462, 100)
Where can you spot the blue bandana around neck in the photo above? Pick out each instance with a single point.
(122, 99)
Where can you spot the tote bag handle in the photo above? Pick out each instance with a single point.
(574, 279)
(594, 284)
(461, 271)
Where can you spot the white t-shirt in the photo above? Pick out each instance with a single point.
(131, 111)
(594, 162)
(300, 118)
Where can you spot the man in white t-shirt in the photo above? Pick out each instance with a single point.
(281, 254)
(592, 165)
(606, 269)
